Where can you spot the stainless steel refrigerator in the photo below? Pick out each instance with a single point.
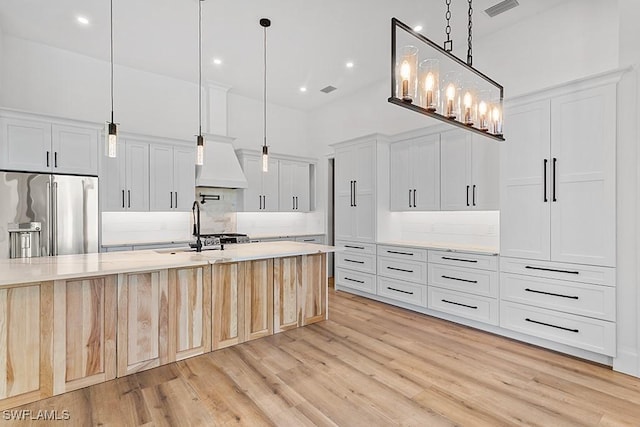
(44, 214)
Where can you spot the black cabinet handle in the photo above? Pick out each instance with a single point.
(467, 195)
(399, 269)
(410, 205)
(553, 270)
(309, 240)
(47, 159)
(459, 280)
(555, 172)
(459, 259)
(55, 159)
(400, 290)
(293, 203)
(296, 202)
(264, 202)
(551, 293)
(544, 174)
(351, 193)
(129, 198)
(176, 204)
(414, 198)
(356, 262)
(123, 198)
(552, 326)
(400, 253)
(354, 247)
(354, 280)
(355, 192)
(460, 304)
(171, 199)
(474, 195)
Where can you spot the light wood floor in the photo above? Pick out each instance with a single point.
(369, 365)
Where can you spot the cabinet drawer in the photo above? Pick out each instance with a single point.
(414, 271)
(485, 262)
(402, 291)
(401, 252)
(594, 335)
(471, 280)
(361, 262)
(556, 270)
(311, 239)
(356, 247)
(354, 280)
(473, 307)
(578, 298)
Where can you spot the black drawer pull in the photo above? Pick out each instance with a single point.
(399, 290)
(354, 247)
(552, 326)
(400, 269)
(459, 280)
(354, 280)
(357, 262)
(552, 270)
(460, 259)
(309, 240)
(462, 305)
(400, 253)
(552, 294)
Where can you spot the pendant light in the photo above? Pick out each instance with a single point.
(111, 143)
(200, 138)
(265, 23)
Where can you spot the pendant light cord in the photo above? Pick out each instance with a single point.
(111, 17)
(200, 67)
(265, 86)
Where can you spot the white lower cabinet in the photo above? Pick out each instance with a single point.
(595, 335)
(464, 279)
(400, 290)
(567, 303)
(355, 266)
(355, 280)
(465, 305)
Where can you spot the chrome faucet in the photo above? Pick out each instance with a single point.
(196, 225)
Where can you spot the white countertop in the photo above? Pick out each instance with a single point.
(29, 270)
(449, 247)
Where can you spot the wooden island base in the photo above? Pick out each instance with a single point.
(62, 335)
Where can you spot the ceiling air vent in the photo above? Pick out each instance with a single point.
(501, 7)
(328, 89)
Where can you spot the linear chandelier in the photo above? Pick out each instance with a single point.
(430, 80)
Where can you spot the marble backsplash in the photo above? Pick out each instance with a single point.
(218, 216)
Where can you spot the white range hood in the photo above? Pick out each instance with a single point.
(221, 166)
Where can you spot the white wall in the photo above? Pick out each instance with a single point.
(286, 127)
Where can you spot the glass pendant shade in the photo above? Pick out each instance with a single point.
(200, 151)
(265, 158)
(111, 140)
(431, 81)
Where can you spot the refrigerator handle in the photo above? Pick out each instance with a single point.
(49, 216)
(54, 220)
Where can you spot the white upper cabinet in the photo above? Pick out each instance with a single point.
(42, 146)
(558, 179)
(470, 172)
(355, 191)
(172, 178)
(124, 180)
(294, 186)
(415, 174)
(261, 195)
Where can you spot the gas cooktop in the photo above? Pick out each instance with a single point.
(216, 240)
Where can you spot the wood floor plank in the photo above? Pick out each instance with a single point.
(370, 365)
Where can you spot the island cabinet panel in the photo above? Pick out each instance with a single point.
(312, 292)
(258, 299)
(26, 327)
(142, 321)
(189, 312)
(227, 304)
(287, 275)
(84, 325)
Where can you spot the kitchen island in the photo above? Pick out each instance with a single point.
(71, 321)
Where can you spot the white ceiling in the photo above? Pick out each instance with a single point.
(309, 42)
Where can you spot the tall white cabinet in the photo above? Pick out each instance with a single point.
(293, 186)
(415, 174)
(172, 178)
(558, 186)
(124, 180)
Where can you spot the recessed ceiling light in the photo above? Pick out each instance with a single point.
(217, 61)
(350, 64)
(82, 20)
(417, 28)
(303, 89)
